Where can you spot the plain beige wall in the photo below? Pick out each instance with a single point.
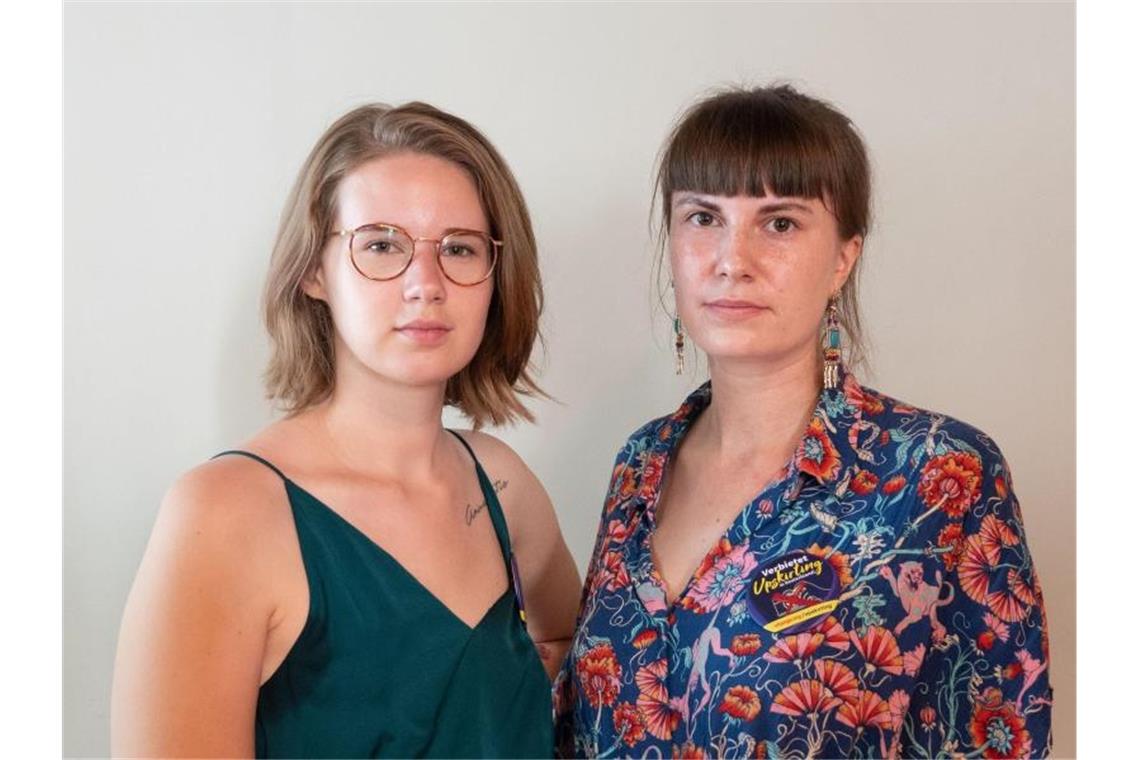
(185, 126)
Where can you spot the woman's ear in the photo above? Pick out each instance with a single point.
(849, 253)
(313, 284)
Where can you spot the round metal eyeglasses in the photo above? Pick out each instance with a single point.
(382, 251)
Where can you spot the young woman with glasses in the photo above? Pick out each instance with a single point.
(349, 582)
(792, 564)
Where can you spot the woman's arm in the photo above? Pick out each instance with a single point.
(193, 635)
(551, 584)
(550, 580)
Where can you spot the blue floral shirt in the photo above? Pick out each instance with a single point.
(878, 600)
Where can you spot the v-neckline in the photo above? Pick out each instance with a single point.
(670, 454)
(387, 556)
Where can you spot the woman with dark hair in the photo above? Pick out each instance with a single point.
(350, 581)
(792, 564)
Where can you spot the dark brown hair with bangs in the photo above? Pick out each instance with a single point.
(774, 140)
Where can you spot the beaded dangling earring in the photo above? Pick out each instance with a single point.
(678, 346)
(678, 338)
(832, 355)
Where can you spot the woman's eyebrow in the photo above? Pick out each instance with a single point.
(785, 205)
(691, 199)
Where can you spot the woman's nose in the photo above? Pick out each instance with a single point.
(736, 258)
(423, 279)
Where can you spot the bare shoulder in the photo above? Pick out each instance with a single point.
(232, 509)
(231, 490)
(525, 502)
(497, 458)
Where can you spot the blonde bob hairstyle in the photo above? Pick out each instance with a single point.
(301, 367)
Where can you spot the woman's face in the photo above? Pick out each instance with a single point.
(753, 275)
(418, 328)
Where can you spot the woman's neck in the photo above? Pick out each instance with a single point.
(759, 409)
(382, 429)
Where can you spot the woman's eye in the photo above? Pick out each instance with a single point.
(380, 246)
(782, 224)
(702, 218)
(457, 250)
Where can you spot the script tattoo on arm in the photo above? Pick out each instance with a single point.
(473, 511)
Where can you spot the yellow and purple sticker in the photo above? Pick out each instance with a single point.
(791, 592)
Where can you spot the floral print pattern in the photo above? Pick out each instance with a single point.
(937, 647)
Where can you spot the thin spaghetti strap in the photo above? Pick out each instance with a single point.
(499, 520)
(254, 457)
(494, 509)
(466, 445)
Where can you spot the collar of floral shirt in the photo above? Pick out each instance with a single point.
(837, 434)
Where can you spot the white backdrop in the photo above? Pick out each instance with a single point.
(185, 126)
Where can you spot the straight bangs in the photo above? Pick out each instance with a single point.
(756, 143)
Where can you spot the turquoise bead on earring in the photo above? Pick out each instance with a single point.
(832, 352)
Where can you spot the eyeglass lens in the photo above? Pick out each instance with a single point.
(382, 252)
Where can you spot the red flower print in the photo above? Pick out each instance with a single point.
(898, 704)
(661, 718)
(651, 679)
(617, 531)
(838, 561)
(927, 716)
(867, 709)
(614, 574)
(722, 574)
(1020, 588)
(740, 702)
(804, 697)
(629, 723)
(894, 485)
(745, 644)
(1006, 607)
(837, 677)
(688, 751)
(645, 638)
(816, 454)
(659, 712)
(951, 482)
(864, 482)
(627, 481)
(879, 648)
(995, 534)
(861, 399)
(599, 673)
(651, 473)
(913, 659)
(1000, 487)
(794, 648)
(951, 536)
(986, 640)
(1011, 671)
(833, 634)
(998, 727)
(1000, 629)
(974, 568)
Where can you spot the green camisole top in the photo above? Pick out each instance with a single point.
(382, 668)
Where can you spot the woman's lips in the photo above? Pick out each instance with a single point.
(424, 332)
(733, 309)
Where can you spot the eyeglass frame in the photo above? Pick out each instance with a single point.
(495, 246)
